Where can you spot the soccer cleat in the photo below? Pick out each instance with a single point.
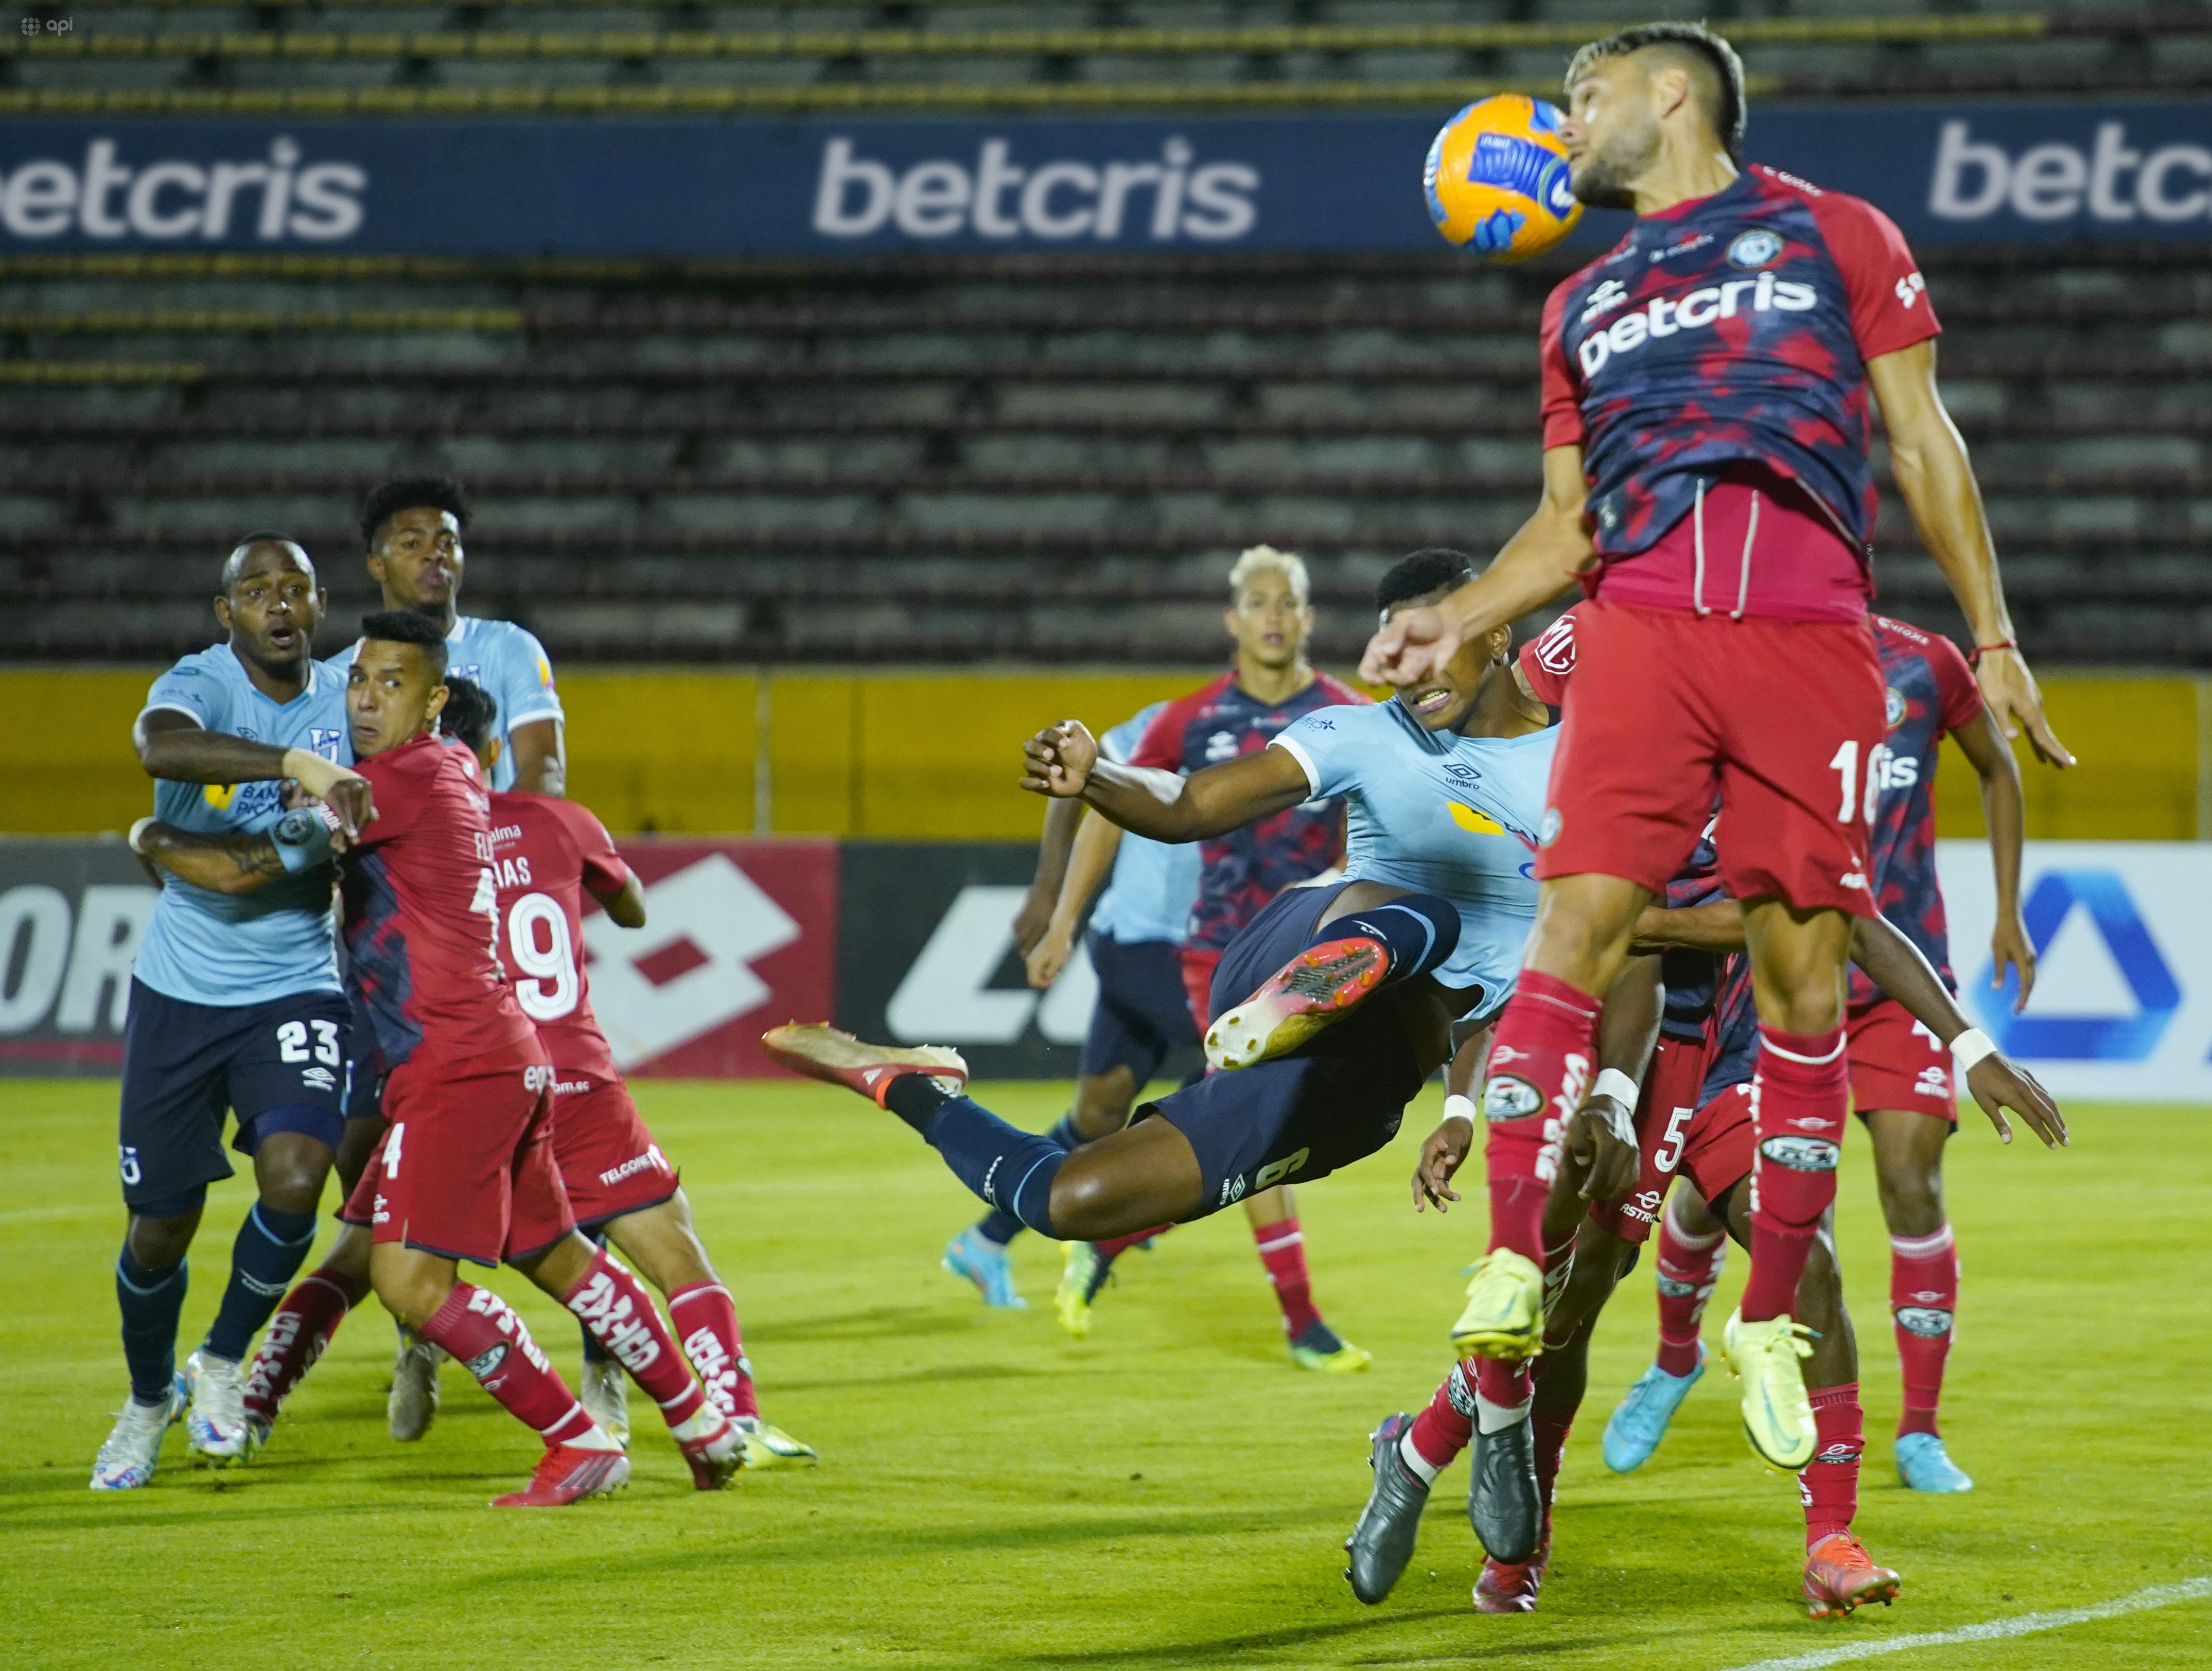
(566, 1474)
(1504, 1504)
(1778, 1417)
(1323, 984)
(715, 1459)
(822, 1052)
(603, 1391)
(413, 1405)
(1511, 1586)
(1504, 1315)
(1383, 1541)
(217, 1431)
(1924, 1465)
(1321, 1348)
(767, 1446)
(1839, 1575)
(1081, 1277)
(1641, 1419)
(126, 1460)
(974, 1255)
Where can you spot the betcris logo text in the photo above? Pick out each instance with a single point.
(2112, 180)
(110, 193)
(1003, 196)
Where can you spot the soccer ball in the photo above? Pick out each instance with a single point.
(1497, 179)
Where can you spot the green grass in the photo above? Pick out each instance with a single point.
(1170, 1493)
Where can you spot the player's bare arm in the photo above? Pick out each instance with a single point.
(1090, 862)
(1536, 565)
(1599, 1142)
(175, 746)
(540, 754)
(2005, 818)
(1034, 917)
(625, 904)
(1064, 761)
(1444, 1151)
(1928, 456)
(238, 863)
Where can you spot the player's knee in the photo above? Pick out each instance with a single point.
(1911, 1205)
(412, 1296)
(1102, 1103)
(159, 1241)
(296, 1185)
(1082, 1204)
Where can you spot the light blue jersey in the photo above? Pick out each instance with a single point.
(509, 662)
(1439, 813)
(1154, 884)
(237, 949)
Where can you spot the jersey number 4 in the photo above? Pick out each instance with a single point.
(543, 956)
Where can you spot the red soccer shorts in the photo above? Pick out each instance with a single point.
(466, 1170)
(1198, 967)
(1718, 1146)
(1666, 708)
(609, 1162)
(1663, 1113)
(1896, 1063)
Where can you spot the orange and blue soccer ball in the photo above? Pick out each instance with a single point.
(1497, 179)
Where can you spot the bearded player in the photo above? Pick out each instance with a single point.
(1707, 479)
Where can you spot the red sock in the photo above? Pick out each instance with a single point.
(480, 1331)
(1924, 1293)
(1283, 1251)
(1507, 1385)
(1447, 1426)
(1687, 1272)
(1113, 1246)
(706, 1321)
(1799, 1096)
(1828, 1486)
(1539, 1064)
(300, 1329)
(622, 1319)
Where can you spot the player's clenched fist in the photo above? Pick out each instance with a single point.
(1412, 645)
(1057, 761)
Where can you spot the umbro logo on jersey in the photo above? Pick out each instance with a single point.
(1851, 879)
(1603, 300)
(320, 1077)
(1221, 745)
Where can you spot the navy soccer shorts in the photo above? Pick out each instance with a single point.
(1143, 1017)
(1336, 1099)
(279, 1066)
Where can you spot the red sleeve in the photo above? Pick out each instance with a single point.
(1343, 695)
(396, 783)
(1563, 398)
(1889, 308)
(1161, 746)
(604, 869)
(1957, 691)
(1547, 658)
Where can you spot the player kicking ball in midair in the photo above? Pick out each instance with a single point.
(233, 1004)
(1706, 473)
(466, 1171)
(546, 854)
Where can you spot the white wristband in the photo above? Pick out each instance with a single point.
(1971, 1048)
(1457, 1106)
(136, 830)
(1618, 1085)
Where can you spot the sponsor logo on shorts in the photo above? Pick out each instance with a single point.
(1925, 1320)
(1934, 1082)
(651, 1161)
(1754, 248)
(1800, 1154)
(320, 1077)
(572, 1087)
(538, 1077)
(1644, 1205)
(1548, 831)
(1510, 1097)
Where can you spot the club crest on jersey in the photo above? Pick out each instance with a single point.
(323, 741)
(1893, 706)
(1548, 831)
(1754, 248)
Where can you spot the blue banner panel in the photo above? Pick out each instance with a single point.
(1948, 174)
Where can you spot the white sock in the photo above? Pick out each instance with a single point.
(1496, 1417)
(1416, 1464)
(703, 1422)
(597, 1439)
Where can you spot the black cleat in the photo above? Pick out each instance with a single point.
(1383, 1542)
(1502, 1503)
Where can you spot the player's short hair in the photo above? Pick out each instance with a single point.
(403, 626)
(233, 564)
(1265, 559)
(1432, 569)
(471, 713)
(1715, 71)
(440, 493)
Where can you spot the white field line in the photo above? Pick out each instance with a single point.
(2028, 1624)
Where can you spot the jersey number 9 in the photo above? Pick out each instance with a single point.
(552, 988)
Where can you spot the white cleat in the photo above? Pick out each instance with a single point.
(605, 1394)
(217, 1431)
(126, 1462)
(414, 1402)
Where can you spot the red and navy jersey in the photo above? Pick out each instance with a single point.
(1735, 1031)
(1729, 330)
(546, 852)
(1241, 872)
(420, 905)
(1929, 690)
(1692, 977)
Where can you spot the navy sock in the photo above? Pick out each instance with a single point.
(1419, 932)
(1009, 1169)
(270, 1248)
(150, 1299)
(1002, 1227)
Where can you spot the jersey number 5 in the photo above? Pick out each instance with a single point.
(552, 988)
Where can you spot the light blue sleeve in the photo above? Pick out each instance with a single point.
(196, 689)
(1331, 743)
(524, 685)
(1118, 743)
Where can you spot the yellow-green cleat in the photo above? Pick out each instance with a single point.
(767, 1446)
(1778, 1417)
(1321, 1348)
(1504, 1315)
(1081, 1277)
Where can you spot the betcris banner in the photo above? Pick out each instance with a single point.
(2122, 1005)
(1948, 174)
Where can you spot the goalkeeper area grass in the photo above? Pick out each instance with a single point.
(1169, 1492)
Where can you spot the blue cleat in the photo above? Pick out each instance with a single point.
(1924, 1465)
(974, 1255)
(1641, 1420)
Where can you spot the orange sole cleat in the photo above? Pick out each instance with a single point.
(1319, 985)
(566, 1474)
(822, 1052)
(1840, 1576)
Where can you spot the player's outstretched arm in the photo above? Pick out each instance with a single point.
(174, 746)
(1035, 916)
(1089, 863)
(1895, 965)
(1600, 1140)
(1928, 456)
(1717, 926)
(240, 863)
(2004, 816)
(1064, 761)
(1535, 566)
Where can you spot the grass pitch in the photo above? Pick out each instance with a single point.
(1171, 1492)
